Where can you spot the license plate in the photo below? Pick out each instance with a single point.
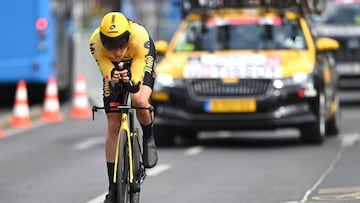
(231, 106)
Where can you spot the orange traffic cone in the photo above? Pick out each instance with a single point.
(51, 111)
(80, 106)
(21, 115)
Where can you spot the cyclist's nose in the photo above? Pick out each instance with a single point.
(119, 52)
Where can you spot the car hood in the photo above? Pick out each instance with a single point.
(260, 64)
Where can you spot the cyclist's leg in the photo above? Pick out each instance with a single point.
(113, 125)
(141, 99)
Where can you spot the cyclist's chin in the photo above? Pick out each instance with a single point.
(117, 57)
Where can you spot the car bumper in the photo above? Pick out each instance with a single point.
(349, 75)
(293, 115)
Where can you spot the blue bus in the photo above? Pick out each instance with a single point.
(35, 45)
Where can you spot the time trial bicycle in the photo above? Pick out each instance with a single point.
(129, 171)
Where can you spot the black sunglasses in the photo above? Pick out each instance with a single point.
(116, 44)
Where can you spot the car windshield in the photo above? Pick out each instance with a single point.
(244, 34)
(340, 13)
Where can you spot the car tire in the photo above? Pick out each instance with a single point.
(314, 133)
(164, 136)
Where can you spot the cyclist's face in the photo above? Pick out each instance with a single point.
(119, 52)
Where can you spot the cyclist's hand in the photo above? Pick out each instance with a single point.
(115, 75)
(124, 76)
(120, 74)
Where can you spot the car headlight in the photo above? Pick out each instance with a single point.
(302, 80)
(166, 80)
(298, 79)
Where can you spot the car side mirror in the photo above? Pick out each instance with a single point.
(327, 44)
(161, 46)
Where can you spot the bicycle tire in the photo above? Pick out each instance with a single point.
(122, 175)
(137, 170)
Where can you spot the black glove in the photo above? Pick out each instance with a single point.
(130, 87)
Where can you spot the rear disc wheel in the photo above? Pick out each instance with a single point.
(137, 169)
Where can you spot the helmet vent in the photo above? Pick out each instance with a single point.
(113, 19)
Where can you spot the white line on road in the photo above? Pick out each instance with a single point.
(349, 140)
(88, 143)
(346, 141)
(157, 169)
(98, 199)
(193, 151)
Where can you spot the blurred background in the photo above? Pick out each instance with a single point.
(53, 36)
(160, 17)
(64, 162)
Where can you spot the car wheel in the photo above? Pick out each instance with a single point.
(333, 124)
(164, 136)
(315, 132)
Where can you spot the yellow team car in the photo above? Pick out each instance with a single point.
(242, 69)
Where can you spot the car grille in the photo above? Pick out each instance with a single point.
(346, 53)
(217, 88)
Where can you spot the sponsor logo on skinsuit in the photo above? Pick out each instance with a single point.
(107, 91)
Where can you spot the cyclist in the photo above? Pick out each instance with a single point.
(124, 52)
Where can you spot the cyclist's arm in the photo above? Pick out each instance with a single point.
(142, 65)
(104, 63)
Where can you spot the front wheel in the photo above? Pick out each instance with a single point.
(123, 168)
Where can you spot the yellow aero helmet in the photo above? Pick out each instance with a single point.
(114, 30)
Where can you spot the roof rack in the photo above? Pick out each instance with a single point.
(303, 7)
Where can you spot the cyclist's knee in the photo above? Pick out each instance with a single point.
(140, 101)
(141, 98)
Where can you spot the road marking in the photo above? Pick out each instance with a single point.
(149, 172)
(88, 143)
(323, 176)
(157, 169)
(98, 199)
(339, 190)
(345, 193)
(193, 151)
(349, 140)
